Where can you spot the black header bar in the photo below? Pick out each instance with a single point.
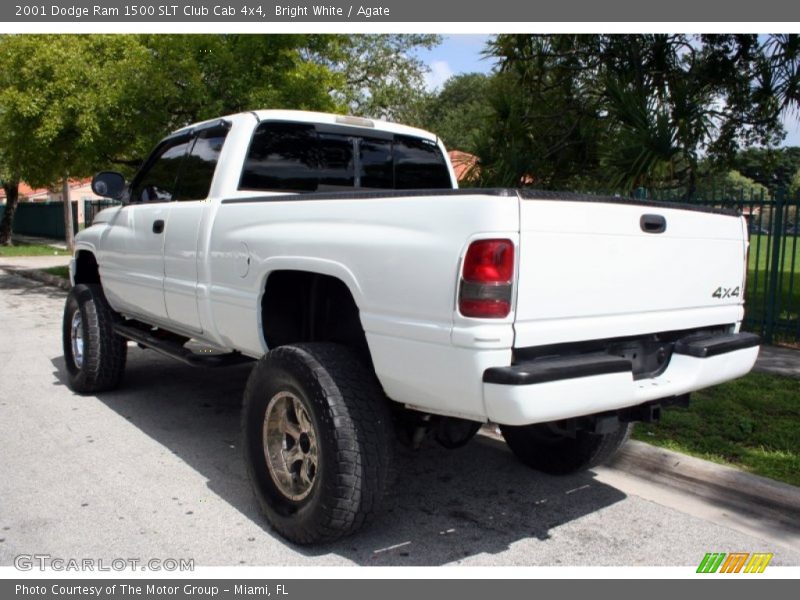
(401, 11)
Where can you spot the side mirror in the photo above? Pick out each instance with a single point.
(109, 184)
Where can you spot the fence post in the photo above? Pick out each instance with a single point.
(775, 266)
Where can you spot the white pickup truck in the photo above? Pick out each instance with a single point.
(377, 298)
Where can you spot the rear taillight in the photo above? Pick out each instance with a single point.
(486, 279)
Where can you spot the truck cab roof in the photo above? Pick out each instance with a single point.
(306, 116)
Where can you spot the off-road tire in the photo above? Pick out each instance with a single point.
(542, 448)
(352, 422)
(104, 352)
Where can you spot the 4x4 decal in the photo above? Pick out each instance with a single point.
(723, 292)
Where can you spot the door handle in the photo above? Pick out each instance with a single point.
(653, 224)
(158, 226)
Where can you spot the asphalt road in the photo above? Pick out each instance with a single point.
(154, 470)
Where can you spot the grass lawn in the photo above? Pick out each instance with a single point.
(761, 251)
(788, 307)
(31, 250)
(58, 271)
(752, 423)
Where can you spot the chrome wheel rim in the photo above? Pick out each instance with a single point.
(290, 446)
(76, 336)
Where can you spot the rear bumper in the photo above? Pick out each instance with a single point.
(549, 389)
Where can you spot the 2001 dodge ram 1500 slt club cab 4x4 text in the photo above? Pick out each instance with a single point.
(381, 301)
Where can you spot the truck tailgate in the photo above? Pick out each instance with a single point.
(589, 269)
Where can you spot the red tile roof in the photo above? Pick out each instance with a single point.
(26, 191)
(464, 165)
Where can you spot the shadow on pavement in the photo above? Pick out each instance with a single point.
(16, 286)
(445, 505)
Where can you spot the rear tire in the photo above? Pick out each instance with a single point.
(94, 355)
(317, 441)
(544, 449)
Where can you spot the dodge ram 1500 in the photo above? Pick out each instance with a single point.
(376, 298)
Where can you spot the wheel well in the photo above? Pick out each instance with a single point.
(300, 306)
(86, 270)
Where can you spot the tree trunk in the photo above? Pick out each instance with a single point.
(68, 229)
(691, 183)
(12, 198)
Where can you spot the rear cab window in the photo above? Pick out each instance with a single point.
(418, 164)
(301, 157)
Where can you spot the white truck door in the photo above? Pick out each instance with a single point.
(133, 257)
(183, 229)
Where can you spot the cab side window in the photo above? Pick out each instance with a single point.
(198, 168)
(158, 180)
(282, 157)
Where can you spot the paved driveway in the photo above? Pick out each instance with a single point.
(153, 470)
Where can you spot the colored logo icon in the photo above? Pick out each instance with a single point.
(735, 562)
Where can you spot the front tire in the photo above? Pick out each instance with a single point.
(95, 356)
(317, 441)
(546, 449)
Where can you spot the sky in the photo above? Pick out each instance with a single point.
(455, 55)
(462, 54)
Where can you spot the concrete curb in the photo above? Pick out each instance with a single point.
(722, 486)
(40, 276)
(33, 239)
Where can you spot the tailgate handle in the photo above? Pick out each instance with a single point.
(653, 224)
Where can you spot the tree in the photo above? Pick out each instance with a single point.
(730, 184)
(170, 81)
(186, 78)
(70, 105)
(457, 112)
(381, 75)
(9, 179)
(545, 115)
(794, 186)
(40, 115)
(771, 167)
(11, 189)
(623, 111)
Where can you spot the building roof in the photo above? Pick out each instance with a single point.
(26, 191)
(464, 165)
